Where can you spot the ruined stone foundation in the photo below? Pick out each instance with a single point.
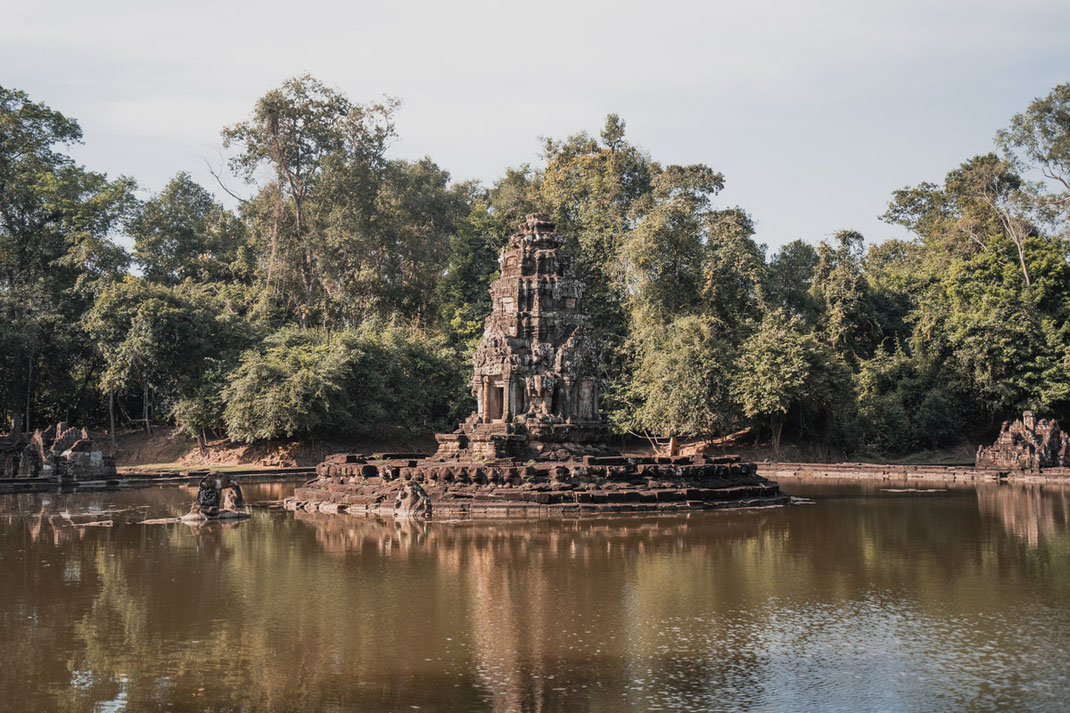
(60, 453)
(351, 484)
(536, 443)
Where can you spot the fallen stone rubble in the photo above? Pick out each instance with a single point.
(59, 453)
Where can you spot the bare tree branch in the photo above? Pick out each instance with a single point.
(218, 176)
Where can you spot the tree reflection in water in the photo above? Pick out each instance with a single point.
(863, 600)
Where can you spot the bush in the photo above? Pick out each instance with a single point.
(371, 380)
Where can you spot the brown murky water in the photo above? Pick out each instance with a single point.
(862, 600)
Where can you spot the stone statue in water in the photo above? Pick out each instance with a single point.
(412, 502)
(219, 497)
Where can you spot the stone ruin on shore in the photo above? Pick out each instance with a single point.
(59, 453)
(537, 443)
(1027, 444)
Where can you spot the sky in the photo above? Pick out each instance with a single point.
(814, 111)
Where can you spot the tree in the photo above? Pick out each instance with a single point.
(56, 219)
(463, 291)
(841, 291)
(665, 255)
(735, 273)
(983, 206)
(302, 131)
(172, 342)
(593, 189)
(680, 383)
(1039, 139)
(788, 280)
(388, 262)
(182, 232)
(375, 380)
(773, 370)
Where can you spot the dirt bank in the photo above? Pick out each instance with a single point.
(168, 448)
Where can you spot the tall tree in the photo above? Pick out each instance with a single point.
(56, 219)
(782, 366)
(301, 131)
(1039, 139)
(842, 293)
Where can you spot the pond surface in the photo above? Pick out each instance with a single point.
(861, 600)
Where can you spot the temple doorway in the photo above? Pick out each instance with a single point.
(495, 402)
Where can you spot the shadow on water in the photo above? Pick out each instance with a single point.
(863, 599)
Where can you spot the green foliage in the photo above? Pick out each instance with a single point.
(341, 233)
(842, 294)
(664, 256)
(680, 380)
(374, 380)
(173, 343)
(473, 264)
(294, 384)
(56, 220)
(735, 271)
(326, 156)
(789, 278)
(1039, 139)
(183, 233)
(905, 403)
(785, 369)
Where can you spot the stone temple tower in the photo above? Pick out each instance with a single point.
(536, 444)
(537, 375)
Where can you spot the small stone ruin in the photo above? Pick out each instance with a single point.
(1027, 444)
(537, 442)
(219, 497)
(59, 453)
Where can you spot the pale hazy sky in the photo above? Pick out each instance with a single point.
(814, 111)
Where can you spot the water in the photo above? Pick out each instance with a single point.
(860, 600)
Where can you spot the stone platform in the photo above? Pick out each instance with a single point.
(358, 485)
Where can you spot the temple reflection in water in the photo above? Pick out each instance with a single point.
(619, 613)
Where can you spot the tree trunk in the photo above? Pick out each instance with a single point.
(777, 428)
(1021, 260)
(111, 419)
(145, 408)
(29, 393)
(202, 442)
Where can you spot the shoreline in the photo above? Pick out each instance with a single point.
(774, 471)
(882, 471)
(13, 486)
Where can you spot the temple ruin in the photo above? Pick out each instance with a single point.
(1027, 444)
(537, 443)
(537, 375)
(60, 453)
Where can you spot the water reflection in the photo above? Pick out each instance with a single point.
(1031, 512)
(863, 600)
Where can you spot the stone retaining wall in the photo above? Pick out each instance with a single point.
(350, 483)
(877, 471)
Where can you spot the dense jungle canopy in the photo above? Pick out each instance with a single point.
(345, 292)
